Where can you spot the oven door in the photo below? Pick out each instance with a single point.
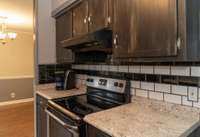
(59, 126)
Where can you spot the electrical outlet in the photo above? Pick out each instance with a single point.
(193, 94)
(12, 95)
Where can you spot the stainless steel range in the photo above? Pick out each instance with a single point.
(66, 114)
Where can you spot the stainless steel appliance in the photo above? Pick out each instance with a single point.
(66, 114)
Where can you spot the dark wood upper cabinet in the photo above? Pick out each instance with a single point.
(63, 27)
(154, 28)
(145, 28)
(121, 27)
(98, 14)
(63, 32)
(80, 19)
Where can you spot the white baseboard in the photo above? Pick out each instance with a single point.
(16, 101)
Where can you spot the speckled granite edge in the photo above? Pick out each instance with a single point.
(48, 91)
(117, 121)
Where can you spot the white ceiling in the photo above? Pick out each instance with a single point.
(19, 14)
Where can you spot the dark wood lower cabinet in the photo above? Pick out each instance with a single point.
(57, 130)
(41, 117)
(94, 132)
(196, 133)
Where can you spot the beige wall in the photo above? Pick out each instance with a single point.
(16, 58)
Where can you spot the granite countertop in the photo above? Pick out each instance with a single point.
(48, 91)
(146, 118)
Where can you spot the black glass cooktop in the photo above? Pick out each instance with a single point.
(78, 105)
(86, 104)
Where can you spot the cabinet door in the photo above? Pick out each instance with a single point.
(94, 132)
(121, 27)
(63, 32)
(154, 28)
(41, 117)
(80, 19)
(98, 14)
(57, 130)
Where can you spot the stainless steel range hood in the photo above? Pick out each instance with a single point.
(97, 41)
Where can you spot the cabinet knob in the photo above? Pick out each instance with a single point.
(85, 21)
(178, 43)
(90, 20)
(109, 20)
(115, 41)
(41, 102)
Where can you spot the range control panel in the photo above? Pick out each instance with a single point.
(109, 84)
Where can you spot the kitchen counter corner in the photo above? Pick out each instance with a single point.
(48, 91)
(146, 118)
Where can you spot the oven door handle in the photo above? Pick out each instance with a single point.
(64, 111)
(75, 128)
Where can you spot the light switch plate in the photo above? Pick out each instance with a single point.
(193, 94)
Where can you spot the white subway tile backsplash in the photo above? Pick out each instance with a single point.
(73, 66)
(113, 68)
(162, 70)
(193, 94)
(147, 86)
(123, 69)
(172, 98)
(85, 67)
(133, 92)
(135, 84)
(105, 67)
(186, 102)
(178, 94)
(156, 95)
(162, 88)
(141, 93)
(91, 67)
(95, 67)
(196, 104)
(179, 90)
(147, 69)
(180, 70)
(195, 71)
(134, 69)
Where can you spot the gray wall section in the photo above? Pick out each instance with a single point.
(23, 88)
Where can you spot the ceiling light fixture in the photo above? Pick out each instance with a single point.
(5, 35)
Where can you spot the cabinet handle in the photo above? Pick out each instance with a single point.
(75, 128)
(85, 20)
(41, 102)
(178, 43)
(90, 20)
(115, 41)
(109, 20)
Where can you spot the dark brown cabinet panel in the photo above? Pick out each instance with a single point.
(57, 130)
(145, 28)
(155, 33)
(41, 117)
(80, 19)
(94, 132)
(64, 27)
(98, 14)
(121, 27)
(63, 32)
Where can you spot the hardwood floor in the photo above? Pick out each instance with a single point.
(17, 120)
